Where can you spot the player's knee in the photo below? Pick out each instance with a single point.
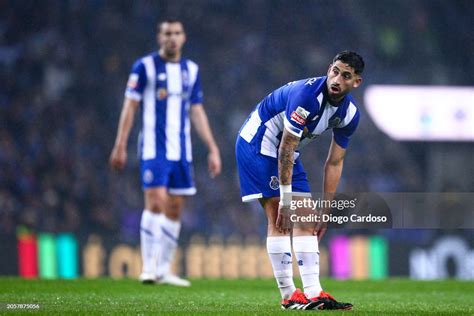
(156, 204)
(303, 230)
(174, 205)
(174, 210)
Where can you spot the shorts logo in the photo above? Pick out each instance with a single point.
(161, 93)
(274, 183)
(132, 81)
(300, 115)
(148, 176)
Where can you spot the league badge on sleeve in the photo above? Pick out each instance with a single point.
(300, 115)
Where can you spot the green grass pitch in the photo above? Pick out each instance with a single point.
(217, 297)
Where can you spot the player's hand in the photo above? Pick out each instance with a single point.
(214, 163)
(118, 158)
(283, 222)
(321, 226)
(320, 229)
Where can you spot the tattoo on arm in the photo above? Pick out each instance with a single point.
(288, 145)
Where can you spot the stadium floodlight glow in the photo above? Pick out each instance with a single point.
(427, 113)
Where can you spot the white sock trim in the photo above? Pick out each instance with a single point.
(305, 244)
(279, 244)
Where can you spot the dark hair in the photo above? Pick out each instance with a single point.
(170, 20)
(353, 59)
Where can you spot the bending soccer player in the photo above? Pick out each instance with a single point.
(270, 170)
(168, 88)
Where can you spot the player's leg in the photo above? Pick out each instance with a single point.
(306, 247)
(150, 234)
(263, 185)
(170, 224)
(154, 181)
(279, 249)
(181, 184)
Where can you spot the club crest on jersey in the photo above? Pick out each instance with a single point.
(161, 93)
(334, 122)
(300, 115)
(274, 183)
(132, 81)
(148, 176)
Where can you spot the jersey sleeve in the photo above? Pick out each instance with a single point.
(342, 135)
(136, 82)
(196, 92)
(300, 110)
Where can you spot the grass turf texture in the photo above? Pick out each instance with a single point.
(107, 296)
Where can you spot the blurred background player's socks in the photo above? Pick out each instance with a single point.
(279, 251)
(307, 253)
(169, 242)
(148, 241)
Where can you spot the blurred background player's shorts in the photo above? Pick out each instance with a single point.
(177, 176)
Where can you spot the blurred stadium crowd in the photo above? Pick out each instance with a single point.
(64, 65)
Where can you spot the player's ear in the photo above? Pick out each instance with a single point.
(158, 39)
(357, 82)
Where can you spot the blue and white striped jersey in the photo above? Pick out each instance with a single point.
(302, 108)
(166, 91)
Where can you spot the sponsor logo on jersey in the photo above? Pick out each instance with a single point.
(161, 93)
(311, 81)
(161, 76)
(300, 115)
(274, 183)
(185, 77)
(132, 81)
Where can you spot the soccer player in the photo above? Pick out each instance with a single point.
(267, 152)
(168, 88)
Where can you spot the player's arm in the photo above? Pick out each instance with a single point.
(201, 123)
(332, 175)
(286, 152)
(118, 157)
(333, 168)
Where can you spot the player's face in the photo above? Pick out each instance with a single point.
(171, 38)
(341, 80)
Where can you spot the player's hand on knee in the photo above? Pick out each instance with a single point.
(320, 229)
(321, 226)
(283, 222)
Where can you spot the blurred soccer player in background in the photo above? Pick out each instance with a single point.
(168, 88)
(270, 140)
